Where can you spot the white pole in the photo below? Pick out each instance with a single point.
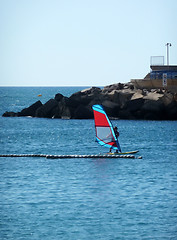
(168, 44)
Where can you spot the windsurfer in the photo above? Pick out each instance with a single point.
(106, 135)
(116, 132)
(117, 135)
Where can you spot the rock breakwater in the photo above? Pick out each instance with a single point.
(121, 101)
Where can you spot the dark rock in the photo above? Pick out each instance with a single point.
(153, 106)
(65, 108)
(175, 97)
(56, 112)
(10, 114)
(171, 110)
(45, 111)
(120, 86)
(83, 112)
(119, 100)
(159, 91)
(84, 97)
(69, 102)
(94, 101)
(124, 97)
(138, 114)
(167, 98)
(125, 114)
(151, 116)
(120, 97)
(135, 104)
(31, 110)
(58, 97)
(153, 110)
(111, 108)
(132, 87)
(66, 112)
(117, 86)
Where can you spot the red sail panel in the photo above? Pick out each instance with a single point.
(100, 119)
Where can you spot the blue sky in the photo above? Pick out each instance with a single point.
(83, 42)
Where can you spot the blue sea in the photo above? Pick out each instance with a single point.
(84, 199)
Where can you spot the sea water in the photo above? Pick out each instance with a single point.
(84, 198)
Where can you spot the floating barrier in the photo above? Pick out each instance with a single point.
(67, 156)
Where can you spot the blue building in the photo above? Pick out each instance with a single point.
(160, 77)
(157, 72)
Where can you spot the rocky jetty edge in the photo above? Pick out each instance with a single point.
(121, 101)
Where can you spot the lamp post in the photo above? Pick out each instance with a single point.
(168, 45)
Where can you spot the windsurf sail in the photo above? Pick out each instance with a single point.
(104, 130)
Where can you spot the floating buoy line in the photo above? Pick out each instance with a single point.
(68, 156)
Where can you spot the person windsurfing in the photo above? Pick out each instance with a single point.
(117, 135)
